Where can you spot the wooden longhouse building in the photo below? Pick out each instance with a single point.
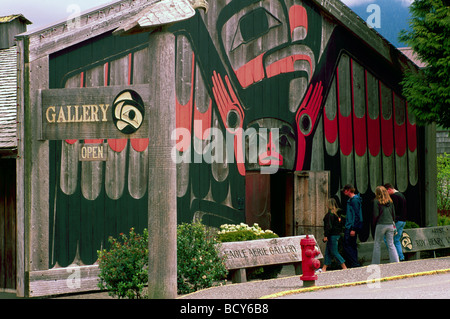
(10, 26)
(309, 71)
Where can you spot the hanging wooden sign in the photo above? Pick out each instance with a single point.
(99, 112)
(93, 152)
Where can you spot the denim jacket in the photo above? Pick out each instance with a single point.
(354, 213)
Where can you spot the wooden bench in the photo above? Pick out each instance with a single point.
(262, 252)
(415, 240)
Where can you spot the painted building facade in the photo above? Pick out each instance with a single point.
(307, 82)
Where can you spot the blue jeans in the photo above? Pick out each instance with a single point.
(398, 246)
(351, 249)
(332, 250)
(384, 232)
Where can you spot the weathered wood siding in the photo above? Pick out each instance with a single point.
(92, 200)
(8, 233)
(293, 67)
(283, 65)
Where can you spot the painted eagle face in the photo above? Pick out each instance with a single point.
(272, 47)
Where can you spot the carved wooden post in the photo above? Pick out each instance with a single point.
(162, 201)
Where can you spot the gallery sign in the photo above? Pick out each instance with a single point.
(93, 113)
(261, 252)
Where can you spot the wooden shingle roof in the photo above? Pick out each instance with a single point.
(8, 98)
(6, 19)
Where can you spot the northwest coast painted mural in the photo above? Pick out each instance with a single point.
(271, 64)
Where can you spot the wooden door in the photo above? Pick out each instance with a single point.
(269, 201)
(7, 224)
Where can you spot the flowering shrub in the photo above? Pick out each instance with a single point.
(123, 268)
(244, 232)
(198, 266)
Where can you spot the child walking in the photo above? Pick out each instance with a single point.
(332, 233)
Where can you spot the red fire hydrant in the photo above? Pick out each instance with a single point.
(309, 263)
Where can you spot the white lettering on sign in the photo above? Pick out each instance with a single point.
(262, 252)
(77, 113)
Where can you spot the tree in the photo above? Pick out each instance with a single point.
(428, 91)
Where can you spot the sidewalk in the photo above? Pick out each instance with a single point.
(288, 283)
(331, 279)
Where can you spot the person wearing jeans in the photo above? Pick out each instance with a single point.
(332, 232)
(399, 201)
(353, 225)
(383, 218)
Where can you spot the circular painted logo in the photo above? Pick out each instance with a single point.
(128, 111)
(406, 241)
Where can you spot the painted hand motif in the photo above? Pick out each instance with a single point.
(232, 115)
(306, 118)
(230, 109)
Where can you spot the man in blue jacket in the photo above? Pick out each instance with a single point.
(353, 225)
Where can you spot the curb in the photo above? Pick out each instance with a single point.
(315, 288)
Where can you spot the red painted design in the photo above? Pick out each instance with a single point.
(202, 121)
(71, 141)
(271, 156)
(286, 65)
(239, 152)
(411, 129)
(387, 130)
(298, 17)
(93, 141)
(184, 115)
(117, 144)
(130, 65)
(373, 126)
(82, 79)
(331, 129)
(251, 72)
(310, 107)
(183, 120)
(359, 124)
(106, 75)
(399, 132)
(140, 144)
(227, 102)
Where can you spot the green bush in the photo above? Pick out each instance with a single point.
(409, 224)
(123, 267)
(443, 182)
(243, 232)
(198, 266)
(443, 220)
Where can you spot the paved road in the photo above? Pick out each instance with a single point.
(290, 285)
(422, 287)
